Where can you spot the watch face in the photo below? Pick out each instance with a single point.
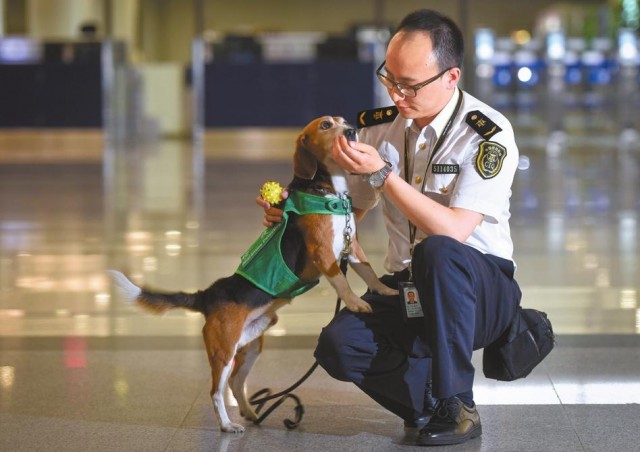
(376, 180)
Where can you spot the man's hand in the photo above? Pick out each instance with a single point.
(272, 215)
(355, 157)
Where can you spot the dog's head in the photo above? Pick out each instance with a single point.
(314, 144)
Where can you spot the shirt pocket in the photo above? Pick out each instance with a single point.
(441, 184)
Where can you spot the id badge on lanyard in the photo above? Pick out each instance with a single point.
(411, 300)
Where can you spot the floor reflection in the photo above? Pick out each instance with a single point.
(67, 215)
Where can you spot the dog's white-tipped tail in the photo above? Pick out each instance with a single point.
(127, 290)
(153, 301)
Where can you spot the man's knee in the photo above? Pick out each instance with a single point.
(436, 249)
(331, 352)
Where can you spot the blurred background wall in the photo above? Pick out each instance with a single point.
(162, 30)
(286, 60)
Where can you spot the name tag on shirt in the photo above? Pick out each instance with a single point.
(442, 168)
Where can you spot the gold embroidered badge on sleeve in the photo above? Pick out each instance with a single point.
(490, 158)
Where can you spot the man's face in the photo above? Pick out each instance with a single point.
(410, 60)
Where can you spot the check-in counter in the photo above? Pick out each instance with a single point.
(50, 95)
(49, 85)
(285, 94)
(57, 85)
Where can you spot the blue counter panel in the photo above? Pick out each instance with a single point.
(236, 95)
(50, 95)
(285, 95)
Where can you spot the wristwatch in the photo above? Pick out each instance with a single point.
(377, 178)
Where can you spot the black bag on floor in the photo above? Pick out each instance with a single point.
(527, 341)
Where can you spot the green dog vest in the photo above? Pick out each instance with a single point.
(263, 264)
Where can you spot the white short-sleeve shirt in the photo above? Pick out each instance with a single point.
(453, 178)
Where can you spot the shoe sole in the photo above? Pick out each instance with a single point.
(428, 441)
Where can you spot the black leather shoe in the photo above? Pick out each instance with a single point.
(452, 423)
(417, 423)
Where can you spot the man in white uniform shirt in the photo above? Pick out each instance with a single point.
(441, 163)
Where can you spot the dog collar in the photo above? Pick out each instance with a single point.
(303, 203)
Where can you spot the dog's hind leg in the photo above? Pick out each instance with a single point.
(244, 361)
(221, 336)
(250, 347)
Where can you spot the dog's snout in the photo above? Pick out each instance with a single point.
(351, 134)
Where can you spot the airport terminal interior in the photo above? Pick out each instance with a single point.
(115, 164)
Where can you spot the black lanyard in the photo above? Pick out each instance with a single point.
(436, 147)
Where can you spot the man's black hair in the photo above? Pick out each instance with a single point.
(446, 37)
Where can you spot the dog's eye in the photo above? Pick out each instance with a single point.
(325, 125)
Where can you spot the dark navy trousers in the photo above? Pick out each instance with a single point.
(469, 299)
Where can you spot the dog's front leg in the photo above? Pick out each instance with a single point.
(322, 254)
(364, 270)
(359, 262)
(341, 285)
(330, 269)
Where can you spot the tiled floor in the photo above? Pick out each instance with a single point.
(81, 371)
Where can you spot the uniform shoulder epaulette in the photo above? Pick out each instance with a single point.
(376, 116)
(482, 125)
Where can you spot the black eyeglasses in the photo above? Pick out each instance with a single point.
(403, 88)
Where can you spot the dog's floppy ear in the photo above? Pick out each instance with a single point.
(305, 164)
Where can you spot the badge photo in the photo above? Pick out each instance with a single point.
(411, 300)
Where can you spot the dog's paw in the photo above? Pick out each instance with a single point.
(232, 428)
(249, 415)
(357, 304)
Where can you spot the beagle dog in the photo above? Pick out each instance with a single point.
(236, 311)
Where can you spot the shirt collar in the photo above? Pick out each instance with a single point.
(440, 121)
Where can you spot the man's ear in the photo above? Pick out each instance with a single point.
(453, 77)
(304, 163)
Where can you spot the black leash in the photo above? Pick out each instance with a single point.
(260, 398)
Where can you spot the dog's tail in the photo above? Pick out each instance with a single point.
(156, 302)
